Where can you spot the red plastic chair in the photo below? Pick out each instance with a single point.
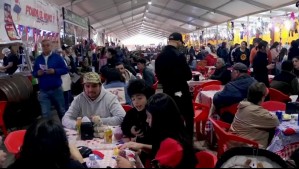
(224, 137)
(232, 109)
(200, 119)
(14, 141)
(274, 106)
(127, 108)
(206, 160)
(3, 105)
(276, 95)
(198, 88)
(155, 86)
(212, 88)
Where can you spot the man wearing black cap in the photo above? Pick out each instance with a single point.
(173, 73)
(235, 91)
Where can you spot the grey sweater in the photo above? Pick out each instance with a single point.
(106, 106)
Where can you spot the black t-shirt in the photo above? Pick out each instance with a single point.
(11, 58)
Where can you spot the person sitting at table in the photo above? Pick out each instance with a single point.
(221, 73)
(46, 146)
(286, 81)
(94, 101)
(125, 72)
(161, 108)
(191, 60)
(134, 124)
(296, 66)
(252, 121)
(295, 157)
(212, 57)
(147, 75)
(235, 91)
(114, 79)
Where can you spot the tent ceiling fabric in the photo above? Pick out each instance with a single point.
(126, 18)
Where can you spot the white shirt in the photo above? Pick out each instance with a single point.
(46, 58)
(1, 62)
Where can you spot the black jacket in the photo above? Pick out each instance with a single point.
(173, 71)
(138, 119)
(222, 75)
(286, 82)
(293, 53)
(260, 70)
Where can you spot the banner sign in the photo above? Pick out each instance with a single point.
(34, 14)
(75, 19)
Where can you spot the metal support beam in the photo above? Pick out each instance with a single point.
(185, 14)
(257, 4)
(120, 12)
(179, 20)
(206, 8)
(131, 22)
(72, 2)
(98, 10)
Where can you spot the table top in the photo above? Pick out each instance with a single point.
(99, 145)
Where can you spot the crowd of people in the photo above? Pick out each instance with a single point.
(156, 119)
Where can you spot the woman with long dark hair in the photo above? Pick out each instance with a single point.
(260, 64)
(274, 50)
(166, 122)
(46, 146)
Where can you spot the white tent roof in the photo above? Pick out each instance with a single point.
(127, 18)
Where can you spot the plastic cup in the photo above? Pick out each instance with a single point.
(294, 98)
(279, 115)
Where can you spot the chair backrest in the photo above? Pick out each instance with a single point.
(14, 141)
(198, 88)
(276, 95)
(212, 88)
(206, 160)
(231, 109)
(224, 138)
(127, 107)
(3, 105)
(155, 86)
(203, 115)
(274, 106)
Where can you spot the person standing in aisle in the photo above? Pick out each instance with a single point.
(173, 73)
(48, 68)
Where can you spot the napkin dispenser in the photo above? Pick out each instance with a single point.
(86, 131)
(292, 108)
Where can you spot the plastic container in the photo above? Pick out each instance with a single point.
(92, 163)
(279, 115)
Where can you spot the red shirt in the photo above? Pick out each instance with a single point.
(211, 61)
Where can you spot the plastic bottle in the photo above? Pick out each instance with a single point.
(92, 163)
(78, 125)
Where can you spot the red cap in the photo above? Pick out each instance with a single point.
(170, 153)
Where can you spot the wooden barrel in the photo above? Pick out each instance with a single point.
(15, 88)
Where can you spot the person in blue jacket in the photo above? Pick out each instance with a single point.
(48, 68)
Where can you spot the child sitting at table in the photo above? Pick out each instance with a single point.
(134, 124)
(167, 127)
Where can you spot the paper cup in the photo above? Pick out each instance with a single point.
(294, 98)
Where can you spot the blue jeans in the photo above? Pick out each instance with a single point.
(55, 97)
